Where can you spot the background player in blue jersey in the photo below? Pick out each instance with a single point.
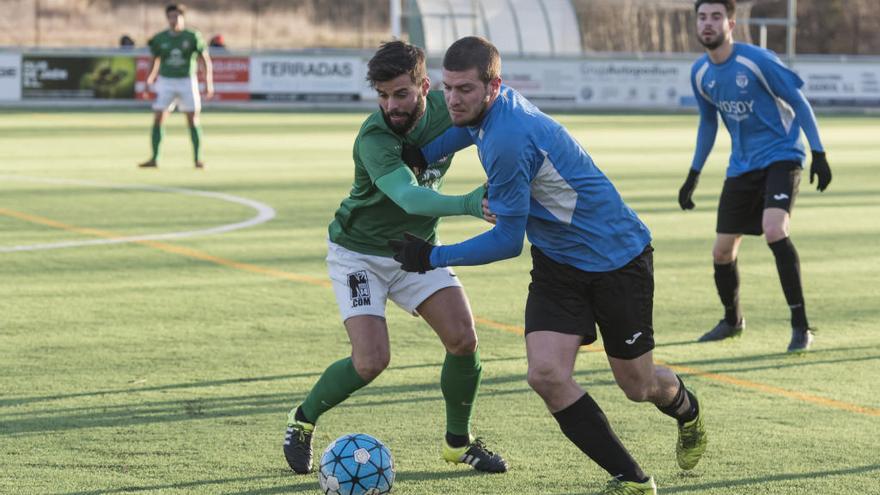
(764, 110)
(591, 254)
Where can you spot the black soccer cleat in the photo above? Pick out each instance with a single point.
(476, 455)
(298, 446)
(723, 330)
(801, 339)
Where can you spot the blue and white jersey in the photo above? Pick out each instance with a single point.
(761, 104)
(538, 172)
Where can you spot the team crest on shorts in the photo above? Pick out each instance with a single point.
(359, 288)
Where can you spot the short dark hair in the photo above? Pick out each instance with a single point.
(395, 58)
(474, 52)
(171, 7)
(730, 5)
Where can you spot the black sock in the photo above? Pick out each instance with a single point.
(454, 440)
(677, 409)
(586, 426)
(301, 416)
(789, 267)
(727, 282)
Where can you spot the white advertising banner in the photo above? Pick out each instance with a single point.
(635, 84)
(10, 76)
(307, 78)
(841, 83)
(543, 81)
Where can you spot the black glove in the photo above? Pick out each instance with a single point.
(413, 158)
(413, 253)
(686, 193)
(820, 168)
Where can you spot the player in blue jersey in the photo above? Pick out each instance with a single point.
(764, 110)
(591, 255)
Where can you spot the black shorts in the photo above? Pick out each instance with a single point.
(567, 300)
(744, 198)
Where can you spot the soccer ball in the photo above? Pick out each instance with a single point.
(356, 464)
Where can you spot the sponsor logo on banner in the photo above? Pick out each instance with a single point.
(105, 77)
(854, 83)
(10, 77)
(231, 78)
(307, 78)
(634, 83)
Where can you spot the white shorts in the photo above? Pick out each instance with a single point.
(362, 283)
(182, 92)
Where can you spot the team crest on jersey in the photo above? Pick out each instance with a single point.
(359, 288)
(742, 80)
(185, 44)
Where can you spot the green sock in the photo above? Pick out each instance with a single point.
(339, 381)
(459, 381)
(195, 134)
(158, 133)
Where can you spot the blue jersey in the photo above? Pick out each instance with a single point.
(538, 173)
(761, 104)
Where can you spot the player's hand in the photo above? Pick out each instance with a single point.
(686, 193)
(413, 253)
(151, 81)
(209, 91)
(487, 213)
(820, 168)
(414, 159)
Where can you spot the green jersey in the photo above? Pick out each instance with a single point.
(177, 51)
(367, 219)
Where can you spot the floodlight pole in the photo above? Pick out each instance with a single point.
(395, 18)
(792, 30)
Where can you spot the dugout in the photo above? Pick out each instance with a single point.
(517, 27)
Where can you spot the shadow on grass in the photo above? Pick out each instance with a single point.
(402, 477)
(17, 401)
(729, 484)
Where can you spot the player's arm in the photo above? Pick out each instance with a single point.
(785, 83)
(452, 140)
(509, 197)
(707, 131)
(209, 67)
(154, 71)
(403, 188)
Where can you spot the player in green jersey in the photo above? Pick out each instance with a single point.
(175, 52)
(386, 200)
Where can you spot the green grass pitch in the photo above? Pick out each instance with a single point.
(168, 366)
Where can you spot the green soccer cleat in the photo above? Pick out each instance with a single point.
(617, 487)
(692, 440)
(476, 455)
(298, 444)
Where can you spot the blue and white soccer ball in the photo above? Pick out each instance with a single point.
(356, 464)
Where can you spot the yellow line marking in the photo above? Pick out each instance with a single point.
(169, 248)
(201, 255)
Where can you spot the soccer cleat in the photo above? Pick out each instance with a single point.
(692, 440)
(298, 445)
(723, 330)
(149, 164)
(801, 339)
(476, 455)
(617, 487)
(200, 165)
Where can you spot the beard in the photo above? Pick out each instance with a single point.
(712, 43)
(411, 118)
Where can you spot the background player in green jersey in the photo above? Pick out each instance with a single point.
(386, 200)
(175, 52)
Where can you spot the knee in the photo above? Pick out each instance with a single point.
(463, 345)
(636, 391)
(774, 232)
(544, 379)
(371, 365)
(722, 255)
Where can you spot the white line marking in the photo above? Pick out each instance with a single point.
(264, 214)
